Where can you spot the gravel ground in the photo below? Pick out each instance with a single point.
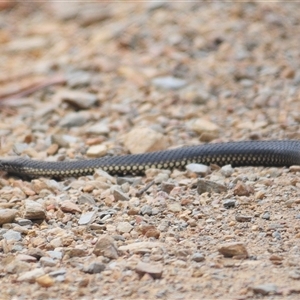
(88, 80)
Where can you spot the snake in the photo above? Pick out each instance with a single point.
(277, 153)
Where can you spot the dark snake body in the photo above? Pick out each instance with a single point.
(245, 153)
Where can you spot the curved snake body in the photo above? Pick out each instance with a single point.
(245, 153)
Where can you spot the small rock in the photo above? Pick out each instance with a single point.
(204, 186)
(144, 139)
(24, 222)
(74, 119)
(169, 83)
(201, 126)
(105, 246)
(265, 289)
(198, 257)
(174, 207)
(69, 207)
(100, 128)
(124, 227)
(7, 215)
(97, 151)
(86, 198)
(167, 186)
(266, 215)
(87, 218)
(155, 270)
(119, 195)
(242, 189)
(55, 254)
(31, 276)
(78, 99)
(45, 280)
(52, 149)
(295, 274)
(199, 169)
(242, 218)
(34, 211)
(230, 203)
(141, 247)
(146, 210)
(63, 140)
(12, 235)
(27, 258)
(234, 249)
(227, 170)
(47, 262)
(294, 169)
(94, 267)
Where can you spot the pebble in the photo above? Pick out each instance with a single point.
(199, 169)
(45, 281)
(68, 206)
(144, 139)
(79, 79)
(227, 170)
(86, 198)
(141, 247)
(100, 128)
(124, 227)
(7, 215)
(207, 186)
(198, 257)
(230, 203)
(174, 207)
(55, 254)
(47, 262)
(233, 249)
(265, 289)
(294, 169)
(12, 235)
(34, 211)
(167, 186)
(153, 269)
(30, 276)
(74, 119)
(97, 151)
(169, 83)
(78, 99)
(266, 215)
(119, 195)
(94, 267)
(242, 189)
(105, 246)
(27, 258)
(87, 218)
(243, 218)
(201, 126)
(146, 210)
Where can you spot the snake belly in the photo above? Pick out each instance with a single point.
(245, 153)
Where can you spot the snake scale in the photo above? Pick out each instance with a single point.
(244, 153)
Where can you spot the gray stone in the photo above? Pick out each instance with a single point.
(169, 83)
(12, 235)
(74, 119)
(99, 128)
(265, 289)
(30, 276)
(230, 203)
(47, 262)
(78, 99)
(94, 267)
(119, 195)
(87, 218)
(146, 210)
(155, 270)
(105, 246)
(198, 257)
